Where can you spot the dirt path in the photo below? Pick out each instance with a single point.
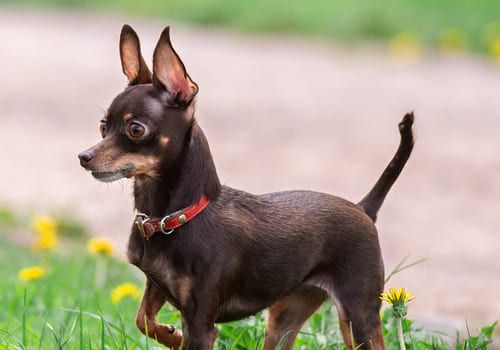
(280, 113)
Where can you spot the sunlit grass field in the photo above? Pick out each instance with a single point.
(71, 306)
(61, 290)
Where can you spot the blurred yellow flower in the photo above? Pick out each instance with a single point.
(397, 296)
(405, 46)
(101, 246)
(46, 229)
(453, 40)
(31, 273)
(495, 49)
(126, 289)
(43, 223)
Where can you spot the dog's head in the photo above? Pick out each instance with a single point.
(146, 125)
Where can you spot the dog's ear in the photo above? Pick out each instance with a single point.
(170, 74)
(133, 64)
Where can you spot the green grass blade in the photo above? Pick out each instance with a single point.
(235, 343)
(399, 267)
(85, 313)
(147, 332)
(112, 335)
(123, 344)
(80, 323)
(97, 317)
(42, 334)
(103, 335)
(18, 341)
(24, 329)
(54, 333)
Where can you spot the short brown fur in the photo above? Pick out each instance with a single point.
(286, 251)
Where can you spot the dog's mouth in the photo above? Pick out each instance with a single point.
(110, 176)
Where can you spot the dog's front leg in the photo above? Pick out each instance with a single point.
(198, 335)
(152, 301)
(198, 321)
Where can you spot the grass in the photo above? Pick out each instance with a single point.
(70, 307)
(64, 309)
(456, 24)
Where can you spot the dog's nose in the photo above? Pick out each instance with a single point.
(85, 157)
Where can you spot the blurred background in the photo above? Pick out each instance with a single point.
(293, 94)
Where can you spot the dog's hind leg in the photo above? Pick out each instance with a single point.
(152, 302)
(358, 306)
(366, 331)
(287, 315)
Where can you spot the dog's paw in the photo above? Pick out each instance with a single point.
(169, 336)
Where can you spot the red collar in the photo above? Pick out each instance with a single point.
(167, 224)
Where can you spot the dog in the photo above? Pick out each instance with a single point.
(219, 254)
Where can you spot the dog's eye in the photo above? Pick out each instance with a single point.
(136, 130)
(102, 127)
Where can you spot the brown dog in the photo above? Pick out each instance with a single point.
(219, 254)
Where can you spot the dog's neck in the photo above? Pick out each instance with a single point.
(182, 182)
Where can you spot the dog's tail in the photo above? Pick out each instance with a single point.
(372, 202)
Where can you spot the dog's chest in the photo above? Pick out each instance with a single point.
(164, 277)
(158, 267)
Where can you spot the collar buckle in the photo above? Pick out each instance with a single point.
(167, 224)
(142, 219)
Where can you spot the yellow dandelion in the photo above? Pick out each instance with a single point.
(397, 295)
(31, 273)
(453, 40)
(101, 246)
(397, 298)
(46, 229)
(124, 290)
(405, 46)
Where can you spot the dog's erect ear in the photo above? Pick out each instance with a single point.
(170, 74)
(133, 64)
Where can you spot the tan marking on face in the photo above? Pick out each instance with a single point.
(184, 286)
(127, 117)
(103, 156)
(164, 140)
(143, 165)
(110, 159)
(106, 114)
